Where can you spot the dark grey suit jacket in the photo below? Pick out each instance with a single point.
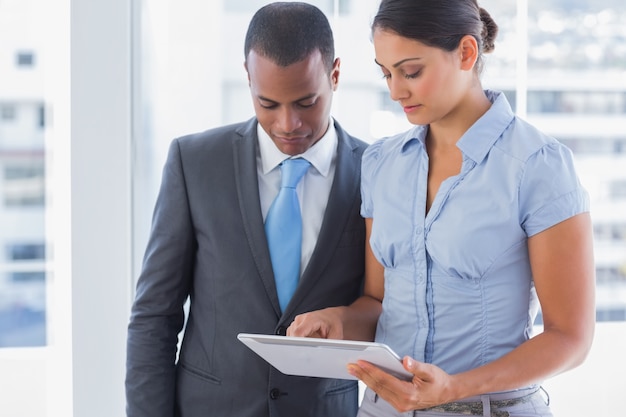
(208, 242)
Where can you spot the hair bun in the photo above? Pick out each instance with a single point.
(490, 31)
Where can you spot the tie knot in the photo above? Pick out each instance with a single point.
(292, 171)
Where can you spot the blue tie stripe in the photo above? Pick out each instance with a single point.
(283, 227)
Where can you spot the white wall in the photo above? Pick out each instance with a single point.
(101, 202)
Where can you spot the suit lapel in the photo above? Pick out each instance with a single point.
(245, 152)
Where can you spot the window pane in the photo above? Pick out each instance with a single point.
(576, 92)
(22, 182)
(579, 35)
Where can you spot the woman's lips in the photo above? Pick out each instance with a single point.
(409, 109)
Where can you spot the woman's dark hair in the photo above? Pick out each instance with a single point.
(288, 32)
(438, 23)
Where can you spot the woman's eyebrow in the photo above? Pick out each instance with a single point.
(397, 64)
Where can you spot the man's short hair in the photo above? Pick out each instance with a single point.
(288, 32)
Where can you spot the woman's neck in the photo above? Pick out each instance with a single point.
(448, 130)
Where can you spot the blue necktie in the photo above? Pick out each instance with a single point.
(283, 227)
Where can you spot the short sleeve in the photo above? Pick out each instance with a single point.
(369, 162)
(550, 191)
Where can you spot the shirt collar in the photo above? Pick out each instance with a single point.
(415, 135)
(319, 155)
(481, 136)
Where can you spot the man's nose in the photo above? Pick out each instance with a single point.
(289, 120)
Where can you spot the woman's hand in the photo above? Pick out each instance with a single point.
(430, 386)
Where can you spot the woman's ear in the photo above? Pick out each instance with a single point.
(468, 49)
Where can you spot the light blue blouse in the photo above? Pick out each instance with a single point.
(458, 286)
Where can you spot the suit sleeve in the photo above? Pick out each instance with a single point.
(157, 314)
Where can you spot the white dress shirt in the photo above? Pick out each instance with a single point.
(313, 189)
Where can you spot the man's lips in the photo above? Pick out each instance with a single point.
(288, 139)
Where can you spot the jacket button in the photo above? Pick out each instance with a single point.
(274, 393)
(281, 331)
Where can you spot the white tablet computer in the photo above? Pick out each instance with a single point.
(325, 358)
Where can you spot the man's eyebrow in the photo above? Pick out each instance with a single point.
(260, 97)
(397, 64)
(307, 97)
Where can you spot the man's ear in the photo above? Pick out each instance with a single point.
(245, 66)
(334, 74)
(468, 50)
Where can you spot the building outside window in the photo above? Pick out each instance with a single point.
(25, 59)
(22, 183)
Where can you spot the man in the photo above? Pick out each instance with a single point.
(208, 240)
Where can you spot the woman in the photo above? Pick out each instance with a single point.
(475, 219)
